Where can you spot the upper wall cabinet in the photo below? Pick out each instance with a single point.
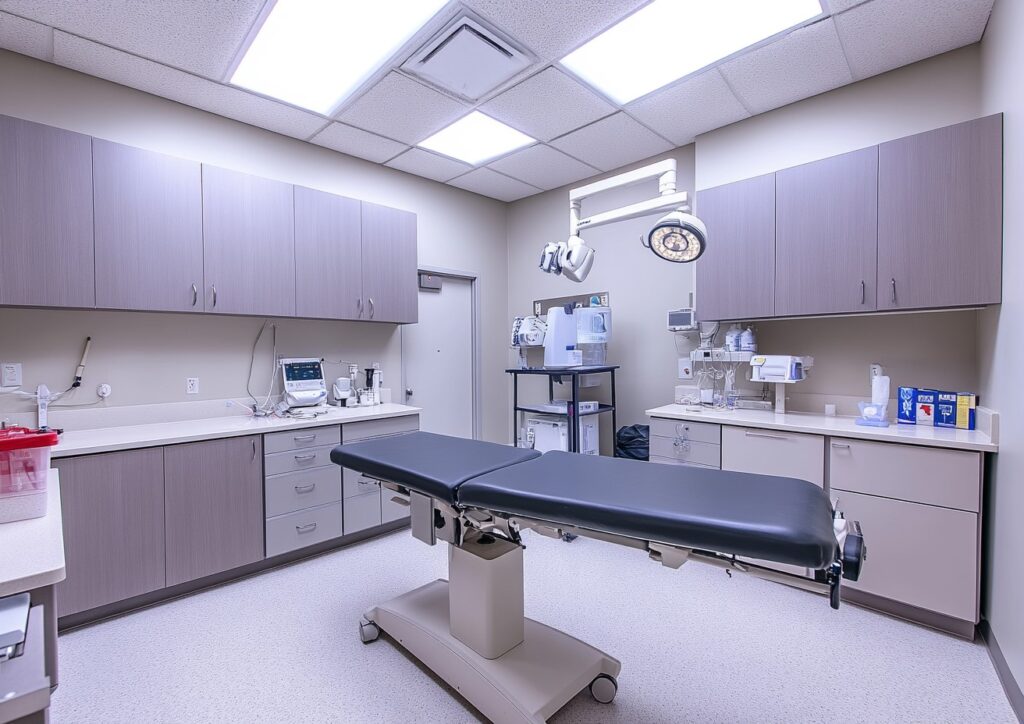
(46, 222)
(826, 235)
(149, 229)
(390, 287)
(249, 251)
(328, 256)
(735, 277)
(940, 217)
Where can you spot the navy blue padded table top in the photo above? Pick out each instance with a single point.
(779, 519)
(434, 465)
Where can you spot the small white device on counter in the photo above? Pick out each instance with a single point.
(342, 391)
(560, 349)
(779, 368)
(304, 384)
(681, 320)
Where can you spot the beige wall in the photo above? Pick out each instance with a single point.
(457, 230)
(1001, 342)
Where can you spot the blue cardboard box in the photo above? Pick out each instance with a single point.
(945, 410)
(924, 407)
(906, 402)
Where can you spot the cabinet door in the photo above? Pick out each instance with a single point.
(940, 200)
(328, 255)
(113, 508)
(214, 502)
(249, 244)
(921, 555)
(149, 229)
(390, 288)
(736, 274)
(827, 235)
(46, 223)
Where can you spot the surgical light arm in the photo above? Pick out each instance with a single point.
(669, 199)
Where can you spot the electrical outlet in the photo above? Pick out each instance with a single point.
(685, 368)
(191, 385)
(10, 374)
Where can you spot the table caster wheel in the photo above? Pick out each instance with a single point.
(604, 688)
(369, 632)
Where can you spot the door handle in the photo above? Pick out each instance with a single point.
(371, 307)
(195, 295)
(253, 449)
(304, 458)
(892, 282)
(304, 438)
(840, 446)
(359, 305)
(214, 286)
(307, 528)
(408, 392)
(748, 433)
(300, 489)
(863, 292)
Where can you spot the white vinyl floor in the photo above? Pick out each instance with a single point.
(695, 646)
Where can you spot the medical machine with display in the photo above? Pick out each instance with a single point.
(780, 369)
(304, 384)
(681, 320)
(551, 432)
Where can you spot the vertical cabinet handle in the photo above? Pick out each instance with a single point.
(195, 295)
(863, 292)
(371, 307)
(253, 449)
(892, 285)
(359, 305)
(214, 294)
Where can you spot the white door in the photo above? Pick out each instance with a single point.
(437, 358)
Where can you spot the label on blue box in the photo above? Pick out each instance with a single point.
(945, 410)
(907, 404)
(924, 408)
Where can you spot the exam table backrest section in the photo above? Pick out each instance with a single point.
(760, 516)
(435, 465)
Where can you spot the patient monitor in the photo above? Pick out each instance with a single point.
(304, 384)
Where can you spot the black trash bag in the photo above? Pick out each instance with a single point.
(634, 442)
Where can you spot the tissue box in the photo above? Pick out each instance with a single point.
(966, 408)
(906, 403)
(924, 407)
(945, 409)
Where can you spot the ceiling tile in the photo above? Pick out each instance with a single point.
(543, 167)
(26, 37)
(804, 63)
(129, 70)
(201, 37)
(886, 34)
(491, 183)
(548, 105)
(401, 108)
(429, 165)
(357, 142)
(685, 110)
(612, 142)
(550, 28)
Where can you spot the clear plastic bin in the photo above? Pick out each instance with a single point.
(24, 468)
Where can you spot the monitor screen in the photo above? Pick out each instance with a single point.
(302, 371)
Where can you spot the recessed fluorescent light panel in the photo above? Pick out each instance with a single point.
(315, 53)
(476, 138)
(669, 39)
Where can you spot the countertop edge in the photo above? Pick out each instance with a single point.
(53, 519)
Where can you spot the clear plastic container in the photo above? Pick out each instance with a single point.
(24, 468)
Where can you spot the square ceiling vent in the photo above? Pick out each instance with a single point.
(467, 60)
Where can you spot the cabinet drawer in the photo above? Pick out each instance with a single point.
(286, 462)
(687, 451)
(699, 431)
(672, 461)
(353, 431)
(274, 442)
(358, 484)
(304, 489)
(362, 512)
(392, 506)
(950, 478)
(770, 452)
(304, 528)
(921, 555)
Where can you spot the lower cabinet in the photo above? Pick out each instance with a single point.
(113, 510)
(303, 528)
(214, 506)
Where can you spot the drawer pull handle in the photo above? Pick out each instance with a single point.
(300, 489)
(401, 501)
(748, 433)
(304, 438)
(840, 446)
(305, 458)
(307, 528)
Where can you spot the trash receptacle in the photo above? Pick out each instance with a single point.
(634, 442)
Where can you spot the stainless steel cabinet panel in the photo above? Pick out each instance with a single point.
(390, 285)
(355, 483)
(46, 219)
(362, 512)
(249, 244)
(113, 507)
(684, 429)
(286, 462)
(684, 450)
(921, 555)
(304, 528)
(149, 229)
(306, 489)
(274, 442)
(736, 274)
(940, 200)
(328, 255)
(771, 452)
(352, 431)
(826, 235)
(214, 506)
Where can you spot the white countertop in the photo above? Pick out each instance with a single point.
(32, 551)
(128, 437)
(836, 426)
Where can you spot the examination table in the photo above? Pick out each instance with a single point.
(479, 496)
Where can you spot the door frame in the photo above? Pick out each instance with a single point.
(476, 384)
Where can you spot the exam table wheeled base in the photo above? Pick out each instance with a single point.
(527, 684)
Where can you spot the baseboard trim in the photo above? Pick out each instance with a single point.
(913, 614)
(1010, 685)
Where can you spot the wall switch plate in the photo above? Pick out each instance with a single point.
(191, 385)
(10, 374)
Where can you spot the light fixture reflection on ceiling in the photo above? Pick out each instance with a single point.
(669, 39)
(476, 138)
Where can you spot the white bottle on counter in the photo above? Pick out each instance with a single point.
(748, 342)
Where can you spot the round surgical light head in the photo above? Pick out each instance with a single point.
(678, 237)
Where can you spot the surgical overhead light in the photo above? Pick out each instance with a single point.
(678, 237)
